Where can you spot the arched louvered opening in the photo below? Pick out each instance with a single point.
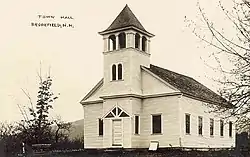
(113, 72)
(137, 40)
(122, 40)
(119, 71)
(144, 44)
(112, 43)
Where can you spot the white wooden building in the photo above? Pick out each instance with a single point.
(136, 102)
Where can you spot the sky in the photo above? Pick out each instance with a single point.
(74, 55)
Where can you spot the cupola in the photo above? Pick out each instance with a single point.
(126, 31)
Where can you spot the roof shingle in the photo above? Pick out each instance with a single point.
(126, 18)
(187, 85)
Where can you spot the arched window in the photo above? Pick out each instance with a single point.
(119, 71)
(112, 43)
(122, 40)
(113, 72)
(137, 40)
(144, 44)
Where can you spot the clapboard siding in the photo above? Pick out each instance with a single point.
(131, 59)
(136, 110)
(197, 108)
(172, 109)
(124, 103)
(137, 59)
(126, 132)
(107, 135)
(91, 137)
(152, 85)
(96, 95)
(168, 107)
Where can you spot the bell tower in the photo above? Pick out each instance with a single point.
(126, 49)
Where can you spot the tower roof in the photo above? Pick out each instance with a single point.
(125, 19)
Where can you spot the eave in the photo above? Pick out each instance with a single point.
(126, 28)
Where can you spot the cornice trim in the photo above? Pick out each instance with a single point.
(119, 51)
(91, 102)
(126, 28)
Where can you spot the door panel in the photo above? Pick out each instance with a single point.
(117, 132)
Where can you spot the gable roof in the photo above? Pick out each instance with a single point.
(93, 90)
(187, 85)
(126, 18)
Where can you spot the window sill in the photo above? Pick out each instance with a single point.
(212, 136)
(121, 49)
(221, 136)
(137, 134)
(156, 134)
(117, 145)
(100, 136)
(188, 134)
(117, 80)
(200, 135)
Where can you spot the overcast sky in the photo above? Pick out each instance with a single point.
(75, 54)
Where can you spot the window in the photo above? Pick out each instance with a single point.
(211, 127)
(122, 40)
(100, 127)
(110, 115)
(136, 124)
(221, 128)
(113, 72)
(119, 71)
(137, 40)
(116, 112)
(200, 125)
(230, 128)
(187, 120)
(156, 120)
(112, 43)
(123, 114)
(144, 43)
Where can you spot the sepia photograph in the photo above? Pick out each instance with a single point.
(125, 78)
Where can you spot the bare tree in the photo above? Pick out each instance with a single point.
(36, 126)
(62, 129)
(236, 80)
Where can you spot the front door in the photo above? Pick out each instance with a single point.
(117, 132)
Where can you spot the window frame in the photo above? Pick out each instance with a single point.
(113, 70)
(137, 40)
(152, 125)
(137, 126)
(200, 125)
(144, 44)
(230, 128)
(221, 128)
(124, 41)
(119, 71)
(211, 127)
(116, 72)
(112, 38)
(189, 115)
(100, 132)
(117, 114)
